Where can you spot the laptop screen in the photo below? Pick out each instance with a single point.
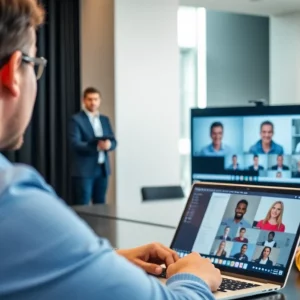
(247, 230)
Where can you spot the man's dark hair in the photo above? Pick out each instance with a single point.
(255, 156)
(244, 246)
(242, 201)
(234, 155)
(267, 123)
(243, 228)
(215, 124)
(17, 17)
(272, 232)
(90, 90)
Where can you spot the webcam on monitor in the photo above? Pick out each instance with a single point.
(259, 102)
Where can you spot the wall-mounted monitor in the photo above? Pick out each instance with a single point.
(246, 145)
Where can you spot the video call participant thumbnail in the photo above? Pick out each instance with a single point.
(242, 254)
(296, 173)
(217, 147)
(280, 166)
(273, 219)
(241, 238)
(221, 250)
(266, 145)
(256, 166)
(234, 165)
(225, 236)
(264, 257)
(238, 219)
(270, 241)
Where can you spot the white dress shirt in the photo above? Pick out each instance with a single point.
(98, 131)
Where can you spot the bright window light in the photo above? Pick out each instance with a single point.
(187, 27)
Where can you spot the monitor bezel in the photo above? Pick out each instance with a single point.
(242, 111)
(276, 279)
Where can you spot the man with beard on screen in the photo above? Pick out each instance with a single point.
(238, 219)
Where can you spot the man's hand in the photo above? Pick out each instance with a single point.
(150, 257)
(198, 266)
(104, 145)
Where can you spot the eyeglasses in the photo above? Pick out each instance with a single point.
(39, 63)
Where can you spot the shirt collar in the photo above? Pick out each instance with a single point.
(90, 115)
(213, 149)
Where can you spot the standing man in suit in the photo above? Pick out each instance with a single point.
(90, 168)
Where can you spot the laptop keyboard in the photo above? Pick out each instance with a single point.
(234, 285)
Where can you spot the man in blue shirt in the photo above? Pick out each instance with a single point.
(46, 251)
(266, 145)
(216, 148)
(238, 219)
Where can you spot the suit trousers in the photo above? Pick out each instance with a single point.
(90, 188)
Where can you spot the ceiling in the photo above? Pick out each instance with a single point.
(254, 7)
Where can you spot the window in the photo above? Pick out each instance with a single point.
(192, 46)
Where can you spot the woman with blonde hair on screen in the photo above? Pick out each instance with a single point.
(273, 219)
(221, 250)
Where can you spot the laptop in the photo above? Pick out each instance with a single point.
(249, 232)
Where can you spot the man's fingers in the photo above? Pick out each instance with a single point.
(164, 254)
(149, 267)
(174, 253)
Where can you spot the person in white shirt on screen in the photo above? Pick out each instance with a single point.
(270, 241)
(225, 236)
(280, 166)
(256, 166)
(235, 165)
(264, 257)
(217, 147)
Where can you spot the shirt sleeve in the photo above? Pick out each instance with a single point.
(51, 254)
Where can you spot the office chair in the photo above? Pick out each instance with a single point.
(162, 192)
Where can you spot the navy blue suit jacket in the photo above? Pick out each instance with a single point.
(84, 145)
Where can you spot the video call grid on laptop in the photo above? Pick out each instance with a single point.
(230, 225)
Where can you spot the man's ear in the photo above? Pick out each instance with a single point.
(10, 74)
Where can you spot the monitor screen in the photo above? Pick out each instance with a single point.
(234, 228)
(247, 145)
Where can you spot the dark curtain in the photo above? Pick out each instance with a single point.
(46, 141)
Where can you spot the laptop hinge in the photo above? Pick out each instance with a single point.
(245, 277)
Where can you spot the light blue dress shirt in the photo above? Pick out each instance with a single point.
(98, 131)
(274, 149)
(48, 253)
(235, 226)
(210, 151)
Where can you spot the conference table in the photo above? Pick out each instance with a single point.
(127, 233)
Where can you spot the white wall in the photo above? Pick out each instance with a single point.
(147, 104)
(97, 60)
(285, 59)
